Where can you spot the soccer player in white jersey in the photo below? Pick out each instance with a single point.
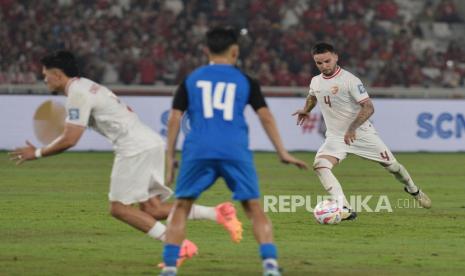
(138, 169)
(346, 108)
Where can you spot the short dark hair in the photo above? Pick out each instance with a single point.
(63, 60)
(322, 47)
(219, 39)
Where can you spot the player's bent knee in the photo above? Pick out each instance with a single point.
(322, 163)
(394, 167)
(255, 212)
(183, 205)
(251, 207)
(149, 209)
(150, 206)
(117, 209)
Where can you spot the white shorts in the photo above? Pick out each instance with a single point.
(370, 146)
(140, 177)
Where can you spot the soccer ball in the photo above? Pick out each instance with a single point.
(327, 212)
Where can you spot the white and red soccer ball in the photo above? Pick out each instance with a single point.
(327, 212)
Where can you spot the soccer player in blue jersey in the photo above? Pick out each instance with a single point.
(214, 97)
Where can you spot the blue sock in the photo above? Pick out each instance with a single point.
(268, 251)
(171, 254)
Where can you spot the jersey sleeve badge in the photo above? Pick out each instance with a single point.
(361, 89)
(73, 114)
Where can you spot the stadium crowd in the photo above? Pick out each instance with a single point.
(386, 42)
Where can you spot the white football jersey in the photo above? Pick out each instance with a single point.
(339, 98)
(90, 104)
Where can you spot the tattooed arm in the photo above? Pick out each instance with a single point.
(365, 113)
(302, 114)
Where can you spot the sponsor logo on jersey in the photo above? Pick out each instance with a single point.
(361, 89)
(73, 114)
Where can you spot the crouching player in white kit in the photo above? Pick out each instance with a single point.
(138, 168)
(346, 107)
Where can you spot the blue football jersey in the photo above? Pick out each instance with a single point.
(214, 98)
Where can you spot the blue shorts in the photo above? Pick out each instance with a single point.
(198, 175)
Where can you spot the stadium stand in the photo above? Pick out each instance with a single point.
(402, 43)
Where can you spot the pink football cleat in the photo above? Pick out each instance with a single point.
(188, 250)
(226, 215)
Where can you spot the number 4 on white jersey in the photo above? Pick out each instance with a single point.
(223, 90)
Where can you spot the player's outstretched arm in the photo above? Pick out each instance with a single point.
(364, 114)
(302, 114)
(70, 136)
(174, 124)
(269, 124)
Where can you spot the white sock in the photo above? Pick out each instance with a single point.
(332, 186)
(157, 231)
(270, 262)
(170, 269)
(202, 212)
(402, 175)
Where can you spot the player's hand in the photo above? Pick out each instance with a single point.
(302, 116)
(286, 158)
(349, 137)
(171, 166)
(19, 155)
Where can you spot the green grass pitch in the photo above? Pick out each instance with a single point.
(54, 221)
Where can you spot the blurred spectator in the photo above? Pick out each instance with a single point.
(171, 68)
(282, 76)
(265, 76)
(447, 12)
(291, 12)
(304, 76)
(415, 76)
(386, 10)
(147, 70)
(450, 76)
(175, 6)
(200, 27)
(455, 52)
(127, 70)
(428, 12)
